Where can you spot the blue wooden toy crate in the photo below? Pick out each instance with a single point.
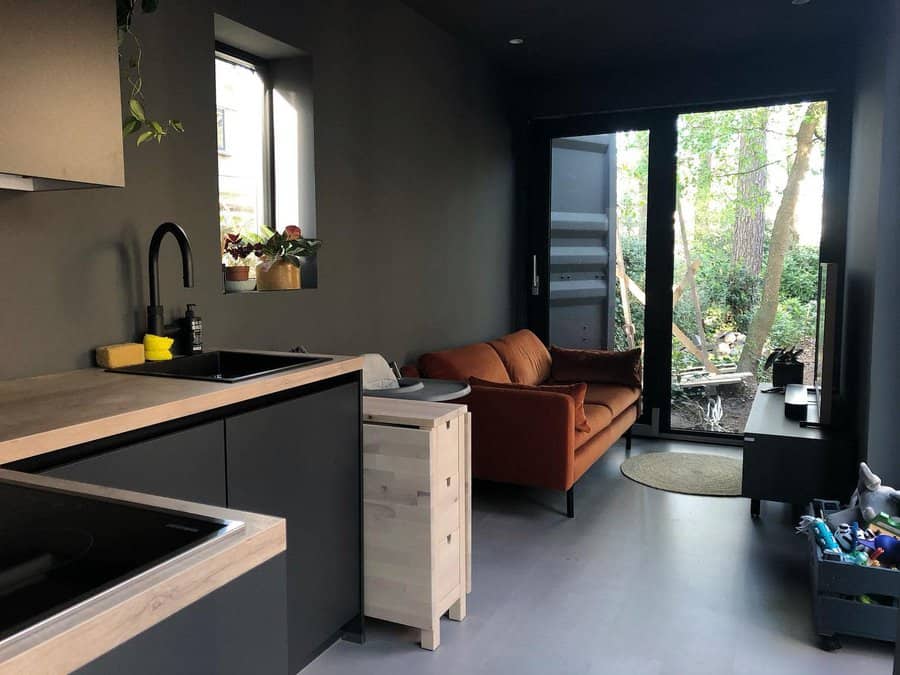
(836, 587)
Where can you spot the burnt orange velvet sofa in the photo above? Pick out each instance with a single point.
(528, 436)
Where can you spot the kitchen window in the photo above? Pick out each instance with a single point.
(264, 141)
(244, 141)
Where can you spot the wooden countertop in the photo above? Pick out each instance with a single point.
(424, 414)
(76, 638)
(51, 412)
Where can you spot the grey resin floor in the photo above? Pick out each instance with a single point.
(641, 582)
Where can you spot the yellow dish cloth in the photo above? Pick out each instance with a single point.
(157, 348)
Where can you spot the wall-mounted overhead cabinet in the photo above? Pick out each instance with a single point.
(60, 106)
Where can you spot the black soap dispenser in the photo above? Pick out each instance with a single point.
(193, 331)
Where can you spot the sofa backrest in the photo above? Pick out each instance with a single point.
(519, 357)
(525, 357)
(477, 360)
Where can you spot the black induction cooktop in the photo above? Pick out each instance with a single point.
(60, 548)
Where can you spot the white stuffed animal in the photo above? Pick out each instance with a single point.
(870, 499)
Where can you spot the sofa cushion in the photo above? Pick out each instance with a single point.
(613, 396)
(478, 360)
(598, 416)
(589, 448)
(576, 391)
(596, 365)
(526, 358)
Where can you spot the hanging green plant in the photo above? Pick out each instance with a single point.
(130, 58)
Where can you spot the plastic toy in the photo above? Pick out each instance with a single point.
(887, 523)
(859, 557)
(870, 499)
(824, 538)
(890, 549)
(846, 536)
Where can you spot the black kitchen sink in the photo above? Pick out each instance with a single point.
(222, 366)
(60, 548)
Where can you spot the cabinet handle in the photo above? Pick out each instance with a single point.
(535, 279)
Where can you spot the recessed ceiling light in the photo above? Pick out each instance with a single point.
(521, 41)
(799, 2)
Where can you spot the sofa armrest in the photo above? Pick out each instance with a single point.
(523, 436)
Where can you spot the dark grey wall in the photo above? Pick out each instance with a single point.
(872, 322)
(414, 191)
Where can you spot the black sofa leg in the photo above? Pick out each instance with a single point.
(628, 442)
(570, 502)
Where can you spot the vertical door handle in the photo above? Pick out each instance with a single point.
(535, 279)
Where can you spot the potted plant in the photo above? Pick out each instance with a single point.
(239, 254)
(282, 254)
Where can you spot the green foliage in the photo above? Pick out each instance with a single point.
(800, 278)
(634, 252)
(711, 164)
(289, 246)
(742, 297)
(137, 121)
(794, 321)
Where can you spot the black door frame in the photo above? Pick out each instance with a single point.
(660, 200)
(661, 193)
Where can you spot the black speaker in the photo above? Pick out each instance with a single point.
(796, 402)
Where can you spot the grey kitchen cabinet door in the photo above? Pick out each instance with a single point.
(238, 629)
(187, 464)
(301, 459)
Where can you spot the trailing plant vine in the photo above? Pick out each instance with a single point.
(130, 58)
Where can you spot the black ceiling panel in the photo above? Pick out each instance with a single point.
(565, 36)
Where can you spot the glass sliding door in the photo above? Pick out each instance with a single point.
(582, 230)
(748, 224)
(632, 162)
(598, 235)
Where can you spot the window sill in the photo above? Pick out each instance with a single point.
(255, 292)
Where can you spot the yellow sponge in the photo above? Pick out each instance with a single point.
(119, 356)
(157, 348)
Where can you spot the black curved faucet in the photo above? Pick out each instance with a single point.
(155, 320)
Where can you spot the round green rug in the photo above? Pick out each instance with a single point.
(687, 473)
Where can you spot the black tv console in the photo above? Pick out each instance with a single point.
(787, 461)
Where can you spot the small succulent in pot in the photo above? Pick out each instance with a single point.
(282, 253)
(239, 254)
(289, 246)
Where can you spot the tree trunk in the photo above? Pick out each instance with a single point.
(782, 239)
(750, 217)
(698, 310)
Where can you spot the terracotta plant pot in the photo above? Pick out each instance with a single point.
(281, 276)
(241, 273)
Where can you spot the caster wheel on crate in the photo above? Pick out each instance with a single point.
(829, 643)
